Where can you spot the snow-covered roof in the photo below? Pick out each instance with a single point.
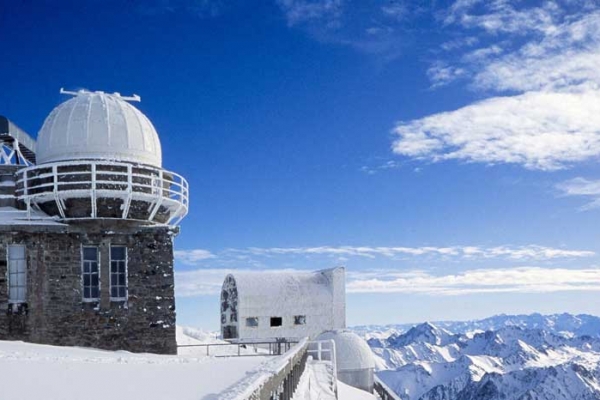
(98, 125)
(352, 353)
(286, 291)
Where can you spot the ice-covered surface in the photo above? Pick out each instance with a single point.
(316, 384)
(33, 372)
(318, 296)
(13, 216)
(96, 125)
(346, 392)
(352, 352)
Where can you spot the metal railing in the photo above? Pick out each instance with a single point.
(384, 390)
(275, 380)
(59, 182)
(268, 348)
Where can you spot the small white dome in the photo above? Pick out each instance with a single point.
(97, 125)
(352, 352)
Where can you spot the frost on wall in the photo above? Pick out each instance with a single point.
(271, 305)
(229, 308)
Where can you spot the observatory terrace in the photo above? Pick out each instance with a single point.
(100, 157)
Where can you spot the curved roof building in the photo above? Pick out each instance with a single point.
(354, 359)
(267, 305)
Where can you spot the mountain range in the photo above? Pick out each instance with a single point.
(535, 357)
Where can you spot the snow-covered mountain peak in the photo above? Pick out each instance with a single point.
(520, 360)
(423, 333)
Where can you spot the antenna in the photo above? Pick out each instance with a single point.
(134, 97)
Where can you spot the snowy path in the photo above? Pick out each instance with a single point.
(32, 372)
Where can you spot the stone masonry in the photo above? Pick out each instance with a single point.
(55, 313)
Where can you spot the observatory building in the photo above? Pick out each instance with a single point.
(87, 221)
(282, 305)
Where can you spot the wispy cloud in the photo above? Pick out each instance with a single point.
(326, 12)
(385, 166)
(545, 57)
(193, 256)
(514, 253)
(247, 255)
(369, 26)
(582, 187)
(504, 280)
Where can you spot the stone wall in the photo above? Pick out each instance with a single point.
(55, 313)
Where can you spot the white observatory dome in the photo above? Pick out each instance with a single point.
(354, 359)
(98, 125)
(352, 352)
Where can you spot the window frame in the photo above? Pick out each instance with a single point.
(111, 273)
(23, 272)
(297, 318)
(252, 326)
(83, 273)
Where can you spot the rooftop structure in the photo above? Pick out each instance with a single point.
(269, 305)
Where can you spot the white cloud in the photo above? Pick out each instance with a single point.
(502, 280)
(441, 74)
(582, 187)
(502, 16)
(539, 130)
(531, 252)
(546, 57)
(505, 280)
(194, 256)
(566, 57)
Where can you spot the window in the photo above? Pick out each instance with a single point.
(90, 274)
(118, 273)
(252, 322)
(299, 319)
(17, 274)
(276, 321)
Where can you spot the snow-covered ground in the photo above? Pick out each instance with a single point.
(33, 372)
(317, 384)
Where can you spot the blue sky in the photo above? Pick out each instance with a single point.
(445, 152)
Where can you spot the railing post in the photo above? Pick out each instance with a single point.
(94, 200)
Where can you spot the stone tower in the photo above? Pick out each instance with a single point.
(87, 221)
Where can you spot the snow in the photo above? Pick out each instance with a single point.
(509, 362)
(65, 373)
(319, 296)
(13, 216)
(256, 378)
(346, 392)
(352, 352)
